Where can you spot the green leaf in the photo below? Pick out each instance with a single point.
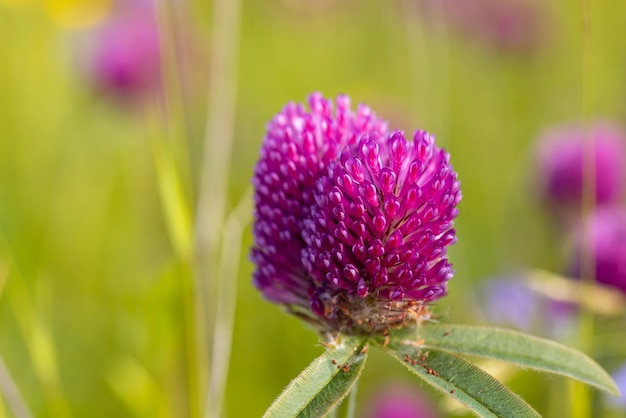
(458, 378)
(323, 384)
(514, 347)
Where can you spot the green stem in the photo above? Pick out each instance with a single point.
(40, 346)
(225, 310)
(12, 393)
(171, 153)
(418, 60)
(177, 214)
(426, 80)
(220, 123)
(351, 413)
(212, 196)
(580, 396)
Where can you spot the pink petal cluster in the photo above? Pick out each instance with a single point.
(380, 229)
(298, 146)
(352, 222)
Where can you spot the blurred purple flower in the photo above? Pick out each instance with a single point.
(298, 146)
(619, 376)
(603, 237)
(561, 159)
(126, 57)
(399, 400)
(378, 233)
(507, 25)
(510, 301)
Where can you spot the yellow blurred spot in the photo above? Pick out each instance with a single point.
(16, 4)
(77, 14)
(137, 388)
(4, 274)
(598, 298)
(3, 411)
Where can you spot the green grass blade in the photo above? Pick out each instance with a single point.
(514, 347)
(322, 385)
(456, 377)
(173, 198)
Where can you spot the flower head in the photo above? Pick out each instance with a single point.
(377, 236)
(351, 224)
(603, 237)
(298, 146)
(561, 163)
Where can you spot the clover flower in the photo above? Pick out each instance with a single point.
(298, 146)
(351, 223)
(377, 236)
(561, 162)
(603, 237)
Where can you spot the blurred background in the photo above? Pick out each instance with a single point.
(108, 107)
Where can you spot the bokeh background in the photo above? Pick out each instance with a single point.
(104, 112)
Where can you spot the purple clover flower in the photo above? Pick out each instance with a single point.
(561, 159)
(604, 239)
(351, 224)
(298, 146)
